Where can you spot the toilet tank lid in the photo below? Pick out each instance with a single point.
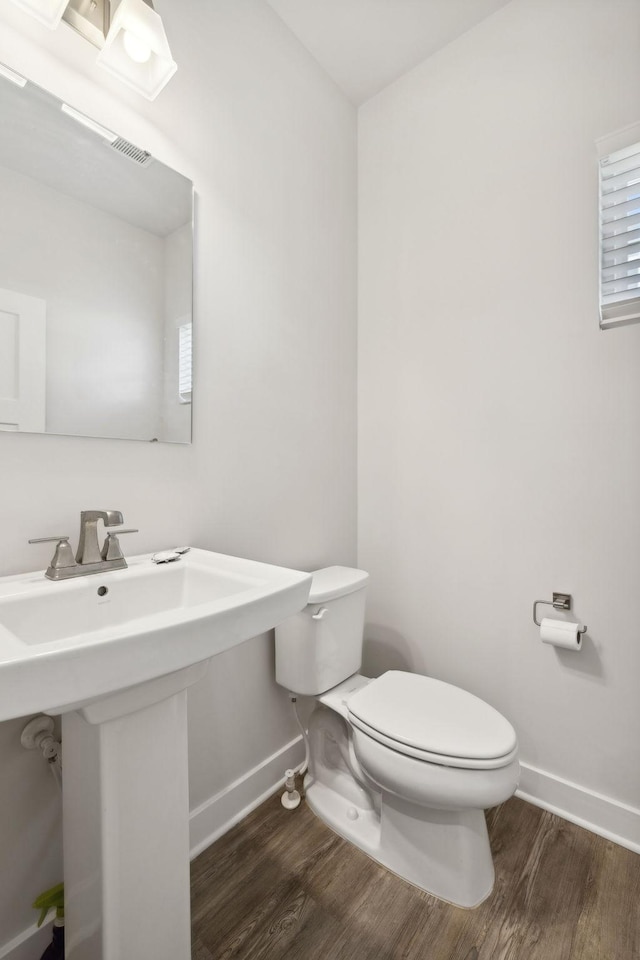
(333, 582)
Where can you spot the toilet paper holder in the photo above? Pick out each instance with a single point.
(561, 601)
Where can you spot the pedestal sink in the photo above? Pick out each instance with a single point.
(114, 654)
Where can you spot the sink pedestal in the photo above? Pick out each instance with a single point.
(126, 823)
(114, 657)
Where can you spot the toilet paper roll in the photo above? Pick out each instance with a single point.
(561, 633)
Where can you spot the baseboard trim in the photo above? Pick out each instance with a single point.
(206, 824)
(215, 816)
(31, 943)
(593, 811)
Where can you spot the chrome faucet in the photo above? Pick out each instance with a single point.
(90, 558)
(88, 547)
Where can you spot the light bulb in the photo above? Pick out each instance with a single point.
(137, 49)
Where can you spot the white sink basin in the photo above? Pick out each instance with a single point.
(63, 644)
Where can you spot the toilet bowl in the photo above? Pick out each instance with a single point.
(403, 766)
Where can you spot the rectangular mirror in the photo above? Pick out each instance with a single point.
(96, 267)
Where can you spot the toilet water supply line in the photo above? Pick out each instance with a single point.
(290, 799)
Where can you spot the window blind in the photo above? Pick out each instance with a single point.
(184, 361)
(620, 237)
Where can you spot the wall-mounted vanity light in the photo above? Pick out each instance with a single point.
(136, 49)
(129, 33)
(48, 12)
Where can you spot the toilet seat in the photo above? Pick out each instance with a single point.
(433, 721)
(464, 763)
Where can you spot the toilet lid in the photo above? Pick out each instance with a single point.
(423, 715)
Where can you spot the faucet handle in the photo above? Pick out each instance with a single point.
(63, 554)
(47, 539)
(111, 549)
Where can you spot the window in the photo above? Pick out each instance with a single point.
(620, 237)
(184, 361)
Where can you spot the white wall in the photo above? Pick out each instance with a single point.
(104, 314)
(499, 428)
(270, 145)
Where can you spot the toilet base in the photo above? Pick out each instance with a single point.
(444, 852)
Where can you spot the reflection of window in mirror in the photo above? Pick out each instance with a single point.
(185, 341)
(620, 228)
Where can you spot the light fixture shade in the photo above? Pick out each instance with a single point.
(136, 26)
(48, 12)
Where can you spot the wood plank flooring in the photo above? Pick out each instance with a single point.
(282, 885)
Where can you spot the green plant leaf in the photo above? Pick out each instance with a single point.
(52, 899)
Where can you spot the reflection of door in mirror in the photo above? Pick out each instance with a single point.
(22, 362)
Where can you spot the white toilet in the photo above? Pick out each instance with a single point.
(402, 766)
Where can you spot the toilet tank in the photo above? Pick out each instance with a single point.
(322, 645)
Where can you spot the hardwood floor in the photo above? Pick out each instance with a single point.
(282, 885)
